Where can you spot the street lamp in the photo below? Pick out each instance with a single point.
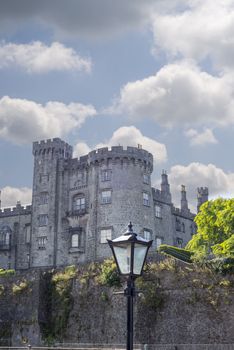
(130, 251)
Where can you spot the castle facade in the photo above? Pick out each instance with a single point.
(78, 203)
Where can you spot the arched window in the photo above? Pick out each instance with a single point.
(5, 236)
(77, 237)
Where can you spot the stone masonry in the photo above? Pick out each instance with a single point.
(78, 203)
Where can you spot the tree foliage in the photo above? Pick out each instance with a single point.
(215, 229)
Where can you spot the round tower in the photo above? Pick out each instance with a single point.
(105, 190)
(119, 192)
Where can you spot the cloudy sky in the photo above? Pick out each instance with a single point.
(156, 72)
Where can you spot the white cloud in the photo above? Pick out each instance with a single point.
(11, 195)
(203, 30)
(179, 93)
(129, 136)
(197, 139)
(23, 121)
(36, 57)
(81, 149)
(197, 175)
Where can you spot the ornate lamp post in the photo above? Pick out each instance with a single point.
(130, 251)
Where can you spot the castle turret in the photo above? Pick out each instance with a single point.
(47, 157)
(165, 187)
(202, 196)
(184, 202)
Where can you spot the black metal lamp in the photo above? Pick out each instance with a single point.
(130, 252)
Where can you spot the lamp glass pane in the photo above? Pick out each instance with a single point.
(139, 257)
(123, 257)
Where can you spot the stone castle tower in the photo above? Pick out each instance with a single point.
(78, 203)
(202, 196)
(48, 157)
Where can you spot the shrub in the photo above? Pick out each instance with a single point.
(19, 288)
(6, 273)
(109, 275)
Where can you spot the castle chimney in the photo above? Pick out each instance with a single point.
(202, 196)
(184, 202)
(165, 187)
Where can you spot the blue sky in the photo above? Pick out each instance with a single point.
(156, 72)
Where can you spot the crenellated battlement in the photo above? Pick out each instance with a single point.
(202, 191)
(52, 147)
(114, 154)
(179, 212)
(157, 195)
(17, 210)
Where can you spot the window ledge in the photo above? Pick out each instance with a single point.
(78, 212)
(76, 250)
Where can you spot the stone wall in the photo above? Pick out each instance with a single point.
(19, 305)
(178, 306)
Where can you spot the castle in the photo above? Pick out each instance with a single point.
(78, 203)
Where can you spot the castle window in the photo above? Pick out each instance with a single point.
(147, 234)
(146, 179)
(77, 237)
(178, 225)
(75, 240)
(158, 211)
(105, 233)
(44, 197)
(183, 227)
(106, 196)
(79, 203)
(42, 242)
(27, 233)
(43, 220)
(106, 175)
(192, 229)
(5, 237)
(146, 199)
(179, 242)
(159, 241)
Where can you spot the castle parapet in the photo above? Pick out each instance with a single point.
(179, 212)
(51, 147)
(115, 154)
(157, 195)
(118, 153)
(18, 210)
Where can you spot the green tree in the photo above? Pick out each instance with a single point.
(215, 229)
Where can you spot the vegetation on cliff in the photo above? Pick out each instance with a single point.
(215, 229)
(213, 243)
